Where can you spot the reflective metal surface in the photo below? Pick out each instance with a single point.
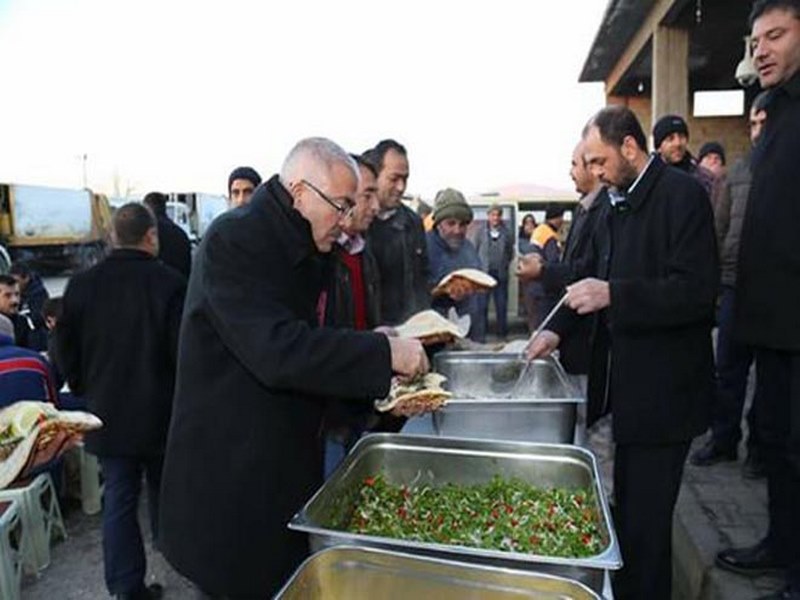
(352, 573)
(544, 408)
(436, 460)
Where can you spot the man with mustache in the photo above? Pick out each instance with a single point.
(448, 250)
(651, 290)
(768, 291)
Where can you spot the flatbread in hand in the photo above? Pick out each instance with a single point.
(421, 394)
(464, 280)
(429, 327)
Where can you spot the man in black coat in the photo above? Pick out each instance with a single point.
(255, 375)
(174, 247)
(397, 239)
(117, 346)
(768, 290)
(577, 256)
(31, 330)
(655, 264)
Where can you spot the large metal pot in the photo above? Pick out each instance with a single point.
(488, 403)
(352, 573)
(410, 459)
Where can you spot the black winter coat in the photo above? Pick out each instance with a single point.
(768, 285)
(658, 253)
(574, 351)
(255, 374)
(174, 247)
(117, 345)
(398, 245)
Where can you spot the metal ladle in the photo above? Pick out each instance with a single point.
(539, 329)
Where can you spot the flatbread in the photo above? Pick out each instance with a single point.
(422, 394)
(36, 433)
(430, 327)
(471, 280)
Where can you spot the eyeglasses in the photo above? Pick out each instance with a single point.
(344, 211)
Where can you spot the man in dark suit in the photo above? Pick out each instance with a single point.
(117, 345)
(768, 292)
(652, 293)
(174, 247)
(256, 374)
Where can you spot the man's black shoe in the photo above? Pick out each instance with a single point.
(751, 561)
(154, 591)
(787, 593)
(711, 453)
(753, 467)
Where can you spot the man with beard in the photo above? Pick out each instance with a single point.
(397, 238)
(651, 290)
(256, 372)
(31, 331)
(671, 139)
(768, 291)
(555, 276)
(242, 182)
(448, 250)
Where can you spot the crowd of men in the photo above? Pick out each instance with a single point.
(228, 378)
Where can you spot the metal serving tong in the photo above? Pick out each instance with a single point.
(539, 329)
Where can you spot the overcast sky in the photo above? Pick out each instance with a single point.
(172, 95)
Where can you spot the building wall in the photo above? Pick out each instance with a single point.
(731, 132)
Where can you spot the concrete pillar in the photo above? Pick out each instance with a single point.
(670, 72)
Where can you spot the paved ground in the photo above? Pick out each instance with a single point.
(718, 508)
(76, 568)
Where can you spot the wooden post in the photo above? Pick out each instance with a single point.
(670, 72)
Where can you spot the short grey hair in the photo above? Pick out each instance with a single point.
(322, 153)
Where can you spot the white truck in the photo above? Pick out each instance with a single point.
(194, 211)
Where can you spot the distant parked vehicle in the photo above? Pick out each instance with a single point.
(54, 229)
(196, 210)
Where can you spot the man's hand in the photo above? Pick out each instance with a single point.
(588, 296)
(543, 344)
(408, 357)
(529, 266)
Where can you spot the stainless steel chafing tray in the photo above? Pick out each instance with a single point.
(353, 573)
(543, 407)
(436, 460)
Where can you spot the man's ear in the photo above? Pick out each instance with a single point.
(629, 148)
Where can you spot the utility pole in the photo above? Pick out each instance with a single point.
(84, 158)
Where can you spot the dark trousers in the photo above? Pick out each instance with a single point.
(123, 549)
(647, 479)
(778, 424)
(733, 367)
(500, 295)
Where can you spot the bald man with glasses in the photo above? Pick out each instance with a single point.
(256, 373)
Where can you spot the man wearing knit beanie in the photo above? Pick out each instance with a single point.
(712, 157)
(450, 204)
(671, 139)
(448, 250)
(242, 182)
